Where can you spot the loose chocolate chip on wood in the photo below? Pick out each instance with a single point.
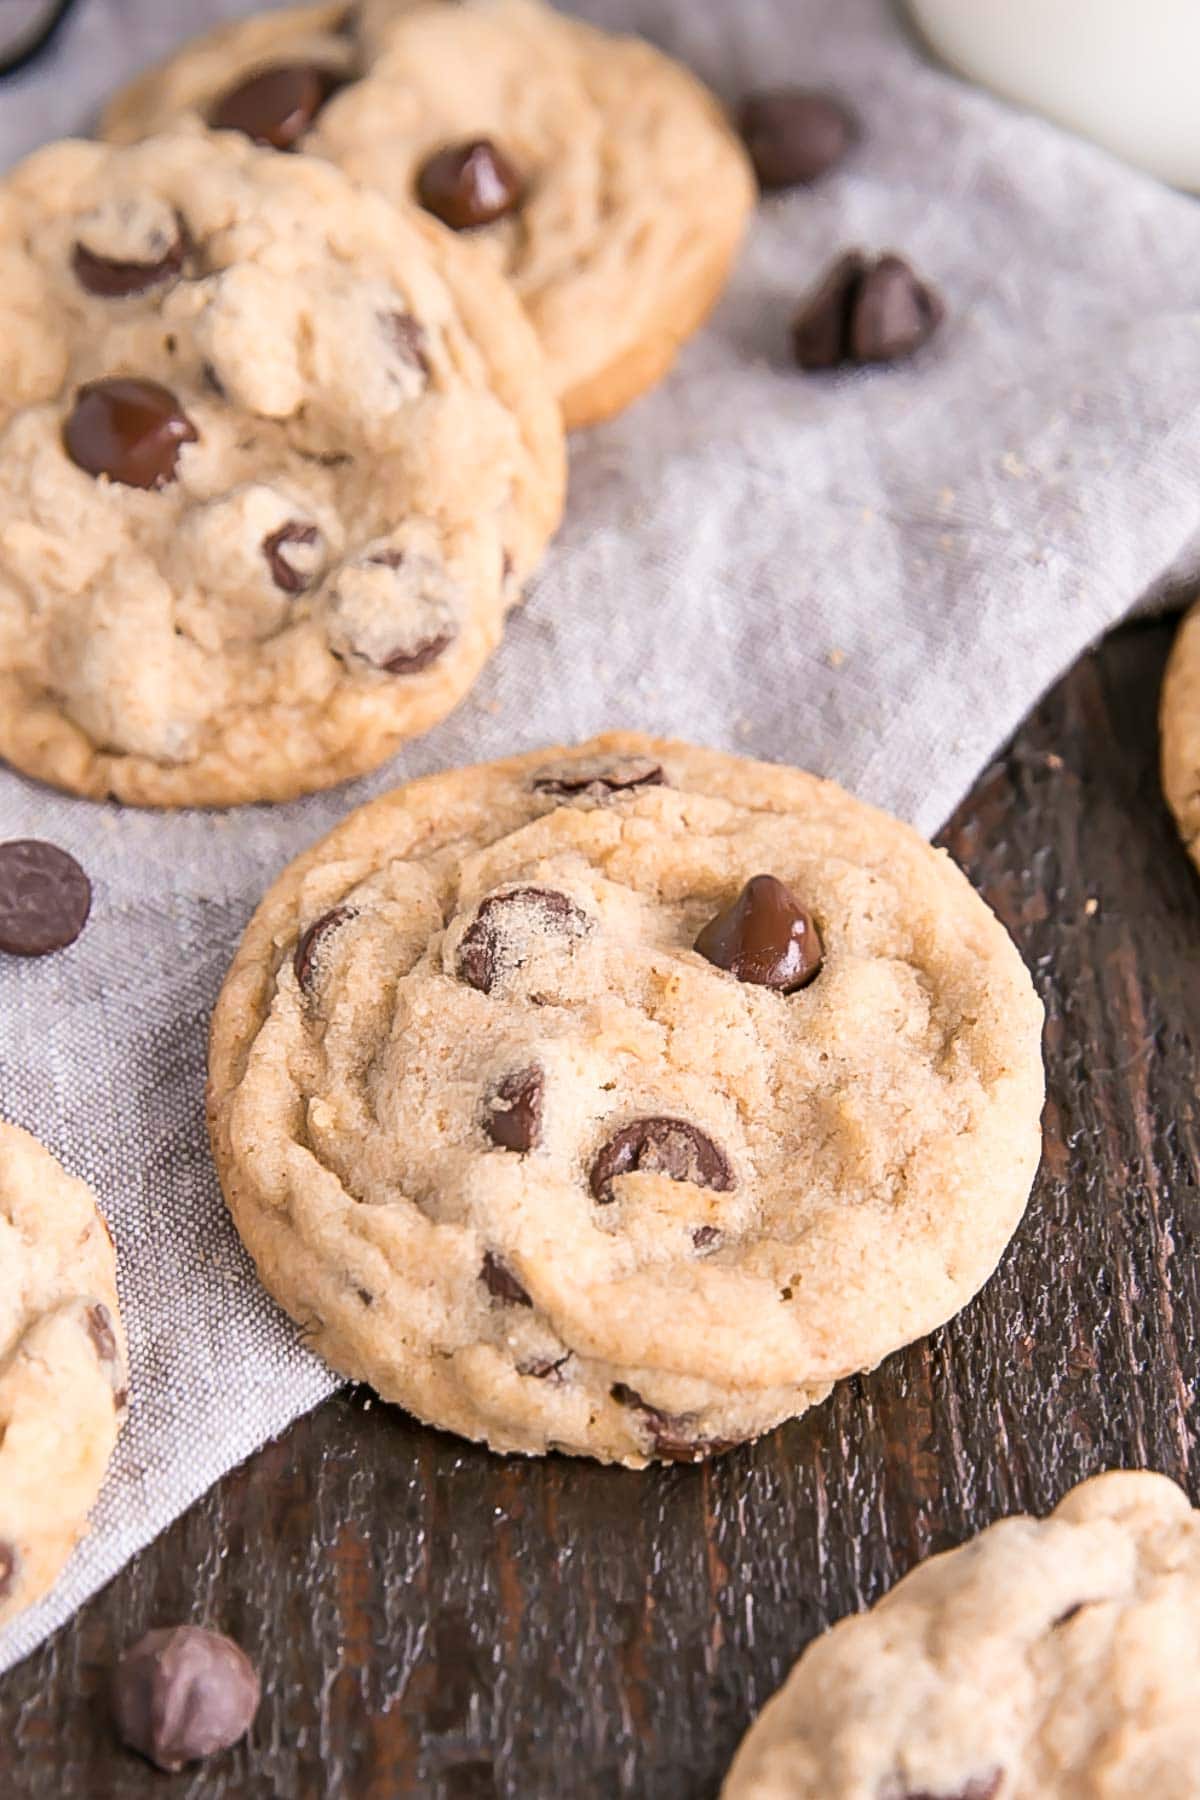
(45, 898)
(865, 311)
(765, 937)
(285, 573)
(310, 942)
(492, 944)
(499, 1280)
(109, 278)
(660, 1146)
(795, 134)
(100, 1330)
(128, 429)
(276, 106)
(467, 185)
(8, 1570)
(674, 1438)
(514, 1111)
(598, 780)
(183, 1694)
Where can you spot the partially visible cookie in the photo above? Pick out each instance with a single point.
(1179, 719)
(63, 1378)
(1045, 1660)
(598, 174)
(274, 461)
(619, 1099)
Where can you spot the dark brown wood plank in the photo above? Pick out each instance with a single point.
(432, 1620)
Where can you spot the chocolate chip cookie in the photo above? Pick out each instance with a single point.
(1046, 1660)
(594, 171)
(619, 1099)
(1180, 728)
(273, 463)
(63, 1380)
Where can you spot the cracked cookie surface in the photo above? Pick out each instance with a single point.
(1180, 732)
(619, 1099)
(605, 181)
(273, 463)
(63, 1376)
(1046, 1659)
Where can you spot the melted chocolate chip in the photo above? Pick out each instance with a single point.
(598, 781)
(670, 1147)
(100, 1330)
(183, 1694)
(276, 106)
(865, 311)
(674, 1437)
(129, 430)
(764, 937)
(794, 135)
(499, 1280)
(514, 1118)
(310, 942)
(108, 278)
(490, 946)
(45, 898)
(284, 574)
(120, 1399)
(412, 661)
(8, 1570)
(466, 185)
(410, 339)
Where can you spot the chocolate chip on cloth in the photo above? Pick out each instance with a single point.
(961, 1683)
(63, 1373)
(596, 173)
(274, 463)
(865, 310)
(183, 1694)
(45, 898)
(795, 135)
(513, 1103)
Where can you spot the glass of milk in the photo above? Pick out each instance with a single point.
(1125, 72)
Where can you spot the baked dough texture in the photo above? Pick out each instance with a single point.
(1051, 1659)
(1180, 729)
(511, 1150)
(375, 461)
(636, 189)
(63, 1375)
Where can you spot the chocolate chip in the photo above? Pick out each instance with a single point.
(183, 1694)
(1064, 1618)
(599, 779)
(45, 898)
(109, 278)
(310, 942)
(865, 311)
(395, 611)
(794, 134)
(129, 430)
(285, 574)
(494, 943)
(983, 1787)
(100, 1330)
(674, 1437)
(764, 937)
(705, 1236)
(120, 1399)
(8, 1570)
(276, 106)
(420, 655)
(659, 1146)
(544, 1368)
(499, 1280)
(410, 339)
(514, 1120)
(470, 184)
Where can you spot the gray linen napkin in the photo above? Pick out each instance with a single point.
(873, 575)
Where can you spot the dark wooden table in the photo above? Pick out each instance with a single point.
(433, 1620)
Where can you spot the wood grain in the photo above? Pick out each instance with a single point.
(432, 1620)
